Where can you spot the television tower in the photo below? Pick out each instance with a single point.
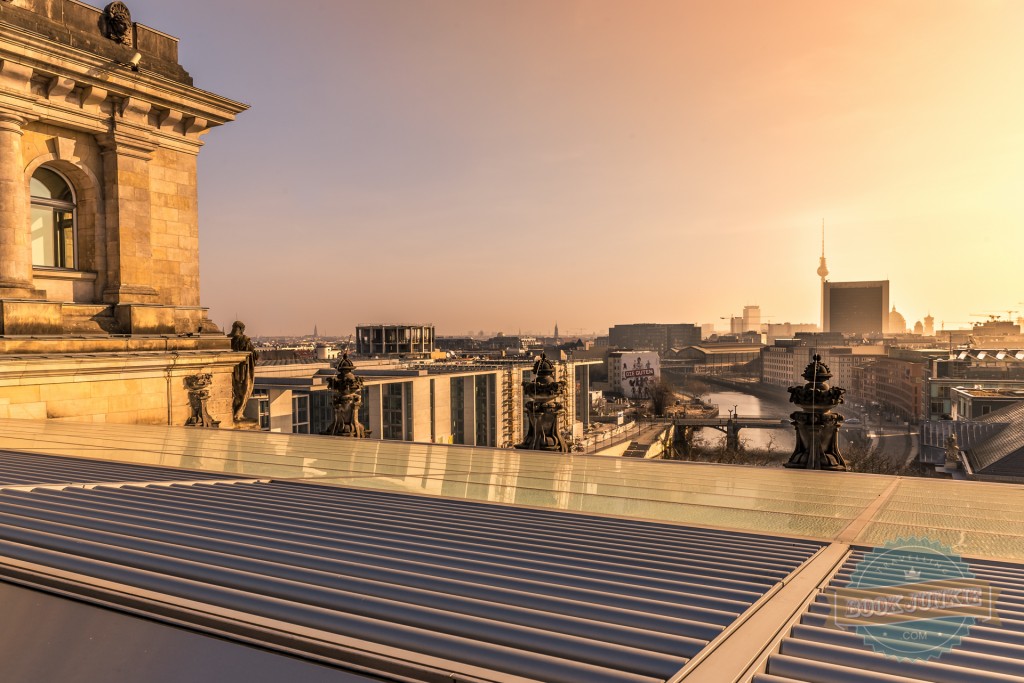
(822, 273)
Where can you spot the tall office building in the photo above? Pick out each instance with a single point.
(856, 307)
(751, 319)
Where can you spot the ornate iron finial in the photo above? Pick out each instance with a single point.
(118, 23)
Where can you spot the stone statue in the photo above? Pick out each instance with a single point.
(540, 399)
(198, 387)
(118, 22)
(348, 397)
(952, 451)
(817, 427)
(242, 376)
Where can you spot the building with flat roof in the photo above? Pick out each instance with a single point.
(654, 336)
(716, 358)
(856, 308)
(783, 362)
(474, 403)
(972, 403)
(751, 319)
(977, 368)
(394, 340)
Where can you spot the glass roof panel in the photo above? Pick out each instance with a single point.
(976, 519)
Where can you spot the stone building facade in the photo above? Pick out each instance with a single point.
(100, 129)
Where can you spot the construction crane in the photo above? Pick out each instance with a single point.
(992, 317)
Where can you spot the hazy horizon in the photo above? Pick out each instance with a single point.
(506, 165)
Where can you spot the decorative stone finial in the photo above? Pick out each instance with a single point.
(540, 401)
(348, 397)
(817, 427)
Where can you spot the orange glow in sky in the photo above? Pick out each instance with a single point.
(505, 164)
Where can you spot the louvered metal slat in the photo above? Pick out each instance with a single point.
(554, 596)
(407, 535)
(316, 554)
(816, 651)
(553, 583)
(24, 469)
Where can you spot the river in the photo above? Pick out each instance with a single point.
(751, 406)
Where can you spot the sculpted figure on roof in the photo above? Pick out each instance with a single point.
(243, 375)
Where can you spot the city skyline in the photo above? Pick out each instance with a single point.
(452, 163)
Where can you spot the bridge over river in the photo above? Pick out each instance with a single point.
(730, 426)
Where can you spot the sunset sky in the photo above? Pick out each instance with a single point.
(506, 164)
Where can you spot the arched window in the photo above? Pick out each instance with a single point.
(53, 220)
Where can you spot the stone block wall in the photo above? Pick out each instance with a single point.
(174, 217)
(127, 389)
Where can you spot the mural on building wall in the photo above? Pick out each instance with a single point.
(640, 372)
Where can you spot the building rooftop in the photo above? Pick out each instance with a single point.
(1009, 394)
(1001, 453)
(296, 556)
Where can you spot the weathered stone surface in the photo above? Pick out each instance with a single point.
(77, 25)
(114, 332)
(30, 317)
(132, 388)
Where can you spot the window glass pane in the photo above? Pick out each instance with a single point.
(46, 184)
(64, 240)
(43, 233)
(52, 221)
(393, 418)
(300, 414)
(457, 411)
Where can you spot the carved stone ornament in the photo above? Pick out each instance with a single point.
(817, 427)
(118, 23)
(243, 375)
(198, 387)
(348, 397)
(541, 401)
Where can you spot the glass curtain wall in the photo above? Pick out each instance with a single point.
(458, 403)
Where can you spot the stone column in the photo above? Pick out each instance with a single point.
(128, 212)
(15, 234)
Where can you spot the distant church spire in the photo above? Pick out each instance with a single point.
(316, 333)
(556, 332)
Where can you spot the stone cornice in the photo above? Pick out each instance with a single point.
(35, 51)
(85, 92)
(14, 370)
(126, 145)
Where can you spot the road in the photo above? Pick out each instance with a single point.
(893, 441)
